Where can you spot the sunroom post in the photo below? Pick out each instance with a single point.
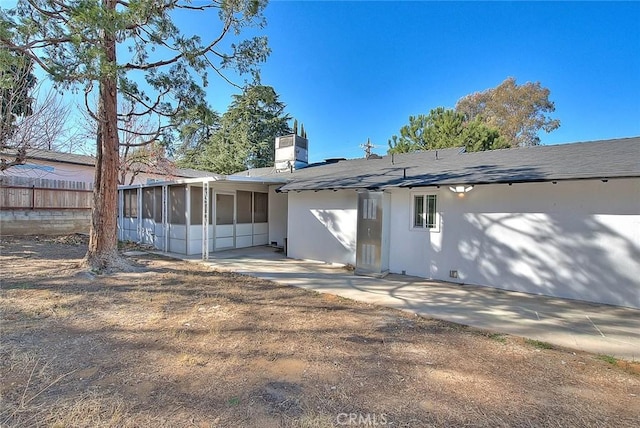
(205, 220)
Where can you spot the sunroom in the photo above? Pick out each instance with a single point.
(199, 215)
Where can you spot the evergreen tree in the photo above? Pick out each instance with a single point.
(443, 128)
(247, 133)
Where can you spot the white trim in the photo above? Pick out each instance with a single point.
(165, 217)
(213, 178)
(205, 221)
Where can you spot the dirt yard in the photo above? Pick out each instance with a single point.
(177, 344)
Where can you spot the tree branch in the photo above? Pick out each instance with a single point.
(201, 52)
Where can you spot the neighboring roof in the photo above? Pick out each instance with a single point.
(585, 160)
(269, 171)
(50, 155)
(73, 158)
(192, 173)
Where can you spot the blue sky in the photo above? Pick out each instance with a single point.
(356, 70)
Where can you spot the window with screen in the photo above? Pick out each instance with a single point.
(244, 205)
(130, 202)
(147, 202)
(224, 209)
(260, 207)
(177, 205)
(196, 205)
(157, 204)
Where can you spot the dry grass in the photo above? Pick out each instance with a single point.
(175, 344)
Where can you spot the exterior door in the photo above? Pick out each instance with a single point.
(369, 233)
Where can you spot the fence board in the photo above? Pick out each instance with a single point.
(43, 193)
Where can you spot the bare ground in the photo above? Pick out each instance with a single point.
(178, 344)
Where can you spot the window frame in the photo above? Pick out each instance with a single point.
(412, 214)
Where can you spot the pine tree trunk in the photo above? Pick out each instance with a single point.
(103, 245)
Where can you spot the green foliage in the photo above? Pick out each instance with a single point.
(478, 137)
(246, 134)
(443, 128)
(509, 115)
(17, 104)
(539, 344)
(519, 112)
(17, 83)
(193, 128)
(222, 154)
(498, 337)
(608, 359)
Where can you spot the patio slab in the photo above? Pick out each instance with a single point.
(600, 329)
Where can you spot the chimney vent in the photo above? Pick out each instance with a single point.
(291, 152)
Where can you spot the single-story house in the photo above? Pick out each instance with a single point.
(560, 220)
(51, 193)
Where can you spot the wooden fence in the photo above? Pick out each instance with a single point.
(20, 193)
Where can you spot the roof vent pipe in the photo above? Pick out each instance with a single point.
(436, 155)
(404, 173)
(392, 160)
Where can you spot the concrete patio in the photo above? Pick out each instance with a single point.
(600, 329)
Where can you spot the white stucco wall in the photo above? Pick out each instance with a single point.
(578, 239)
(278, 207)
(322, 226)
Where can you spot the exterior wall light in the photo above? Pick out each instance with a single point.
(461, 189)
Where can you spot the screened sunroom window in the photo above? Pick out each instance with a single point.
(130, 197)
(260, 207)
(424, 212)
(147, 202)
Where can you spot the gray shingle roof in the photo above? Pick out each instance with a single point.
(585, 160)
(51, 155)
(262, 172)
(73, 158)
(193, 173)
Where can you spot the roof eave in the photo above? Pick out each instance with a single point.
(382, 186)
